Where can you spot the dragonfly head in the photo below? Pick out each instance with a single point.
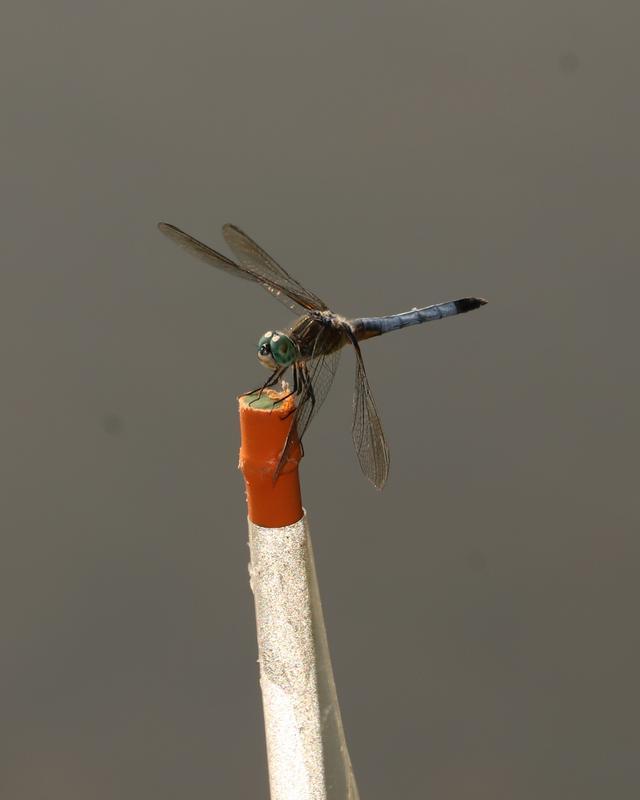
(276, 349)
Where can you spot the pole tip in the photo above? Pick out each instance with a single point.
(265, 422)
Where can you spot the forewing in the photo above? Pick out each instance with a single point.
(255, 259)
(368, 436)
(268, 281)
(203, 251)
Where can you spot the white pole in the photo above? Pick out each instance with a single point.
(306, 748)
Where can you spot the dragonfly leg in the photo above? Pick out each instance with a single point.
(294, 390)
(301, 384)
(271, 381)
(295, 386)
(301, 375)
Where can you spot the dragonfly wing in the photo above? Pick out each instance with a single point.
(316, 377)
(204, 252)
(321, 373)
(268, 280)
(255, 259)
(368, 437)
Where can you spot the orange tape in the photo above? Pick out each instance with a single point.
(264, 427)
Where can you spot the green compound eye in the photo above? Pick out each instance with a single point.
(283, 349)
(277, 347)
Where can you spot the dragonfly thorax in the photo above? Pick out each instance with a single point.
(276, 349)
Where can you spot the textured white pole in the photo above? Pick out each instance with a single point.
(306, 748)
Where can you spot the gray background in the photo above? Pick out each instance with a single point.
(482, 611)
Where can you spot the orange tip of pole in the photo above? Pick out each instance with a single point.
(265, 423)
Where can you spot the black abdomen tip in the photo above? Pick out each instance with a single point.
(469, 303)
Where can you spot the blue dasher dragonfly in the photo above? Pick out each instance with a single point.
(311, 346)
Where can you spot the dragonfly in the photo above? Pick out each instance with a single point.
(310, 347)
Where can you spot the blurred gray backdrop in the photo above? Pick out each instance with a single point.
(482, 611)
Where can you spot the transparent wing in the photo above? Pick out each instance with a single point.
(255, 259)
(271, 280)
(368, 437)
(322, 371)
(204, 252)
(317, 375)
